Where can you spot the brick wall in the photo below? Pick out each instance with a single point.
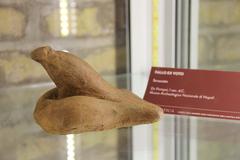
(93, 26)
(219, 34)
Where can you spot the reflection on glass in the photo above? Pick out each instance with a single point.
(73, 18)
(63, 4)
(68, 19)
(70, 147)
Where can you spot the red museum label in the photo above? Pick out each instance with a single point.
(195, 92)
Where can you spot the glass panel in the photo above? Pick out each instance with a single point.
(94, 30)
(219, 37)
(219, 34)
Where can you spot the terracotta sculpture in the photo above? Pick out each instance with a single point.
(82, 101)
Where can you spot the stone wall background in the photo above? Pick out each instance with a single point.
(27, 24)
(219, 34)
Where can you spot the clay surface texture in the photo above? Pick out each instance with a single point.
(82, 101)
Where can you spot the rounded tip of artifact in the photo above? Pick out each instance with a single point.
(41, 53)
(160, 113)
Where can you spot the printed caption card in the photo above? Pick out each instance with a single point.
(201, 93)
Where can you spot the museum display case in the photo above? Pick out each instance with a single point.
(121, 40)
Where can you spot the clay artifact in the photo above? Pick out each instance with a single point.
(82, 101)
